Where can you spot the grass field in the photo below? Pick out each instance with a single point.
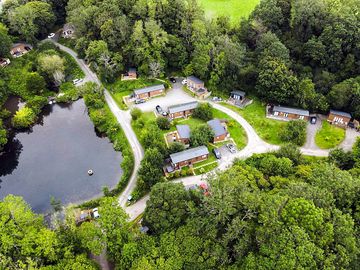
(329, 136)
(267, 129)
(235, 9)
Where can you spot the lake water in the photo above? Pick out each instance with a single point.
(52, 159)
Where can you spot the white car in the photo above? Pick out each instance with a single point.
(184, 82)
(51, 35)
(95, 213)
(76, 81)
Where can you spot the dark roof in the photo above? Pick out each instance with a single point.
(132, 70)
(238, 93)
(189, 154)
(291, 110)
(194, 79)
(344, 114)
(149, 89)
(183, 131)
(217, 127)
(183, 107)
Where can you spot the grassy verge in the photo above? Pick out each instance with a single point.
(236, 131)
(267, 129)
(329, 136)
(206, 168)
(234, 9)
(68, 42)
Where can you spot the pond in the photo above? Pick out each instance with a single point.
(53, 159)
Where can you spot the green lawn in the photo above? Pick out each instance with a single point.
(329, 136)
(206, 168)
(236, 131)
(267, 129)
(120, 89)
(235, 9)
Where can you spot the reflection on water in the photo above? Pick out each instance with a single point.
(52, 159)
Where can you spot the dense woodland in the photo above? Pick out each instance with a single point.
(272, 211)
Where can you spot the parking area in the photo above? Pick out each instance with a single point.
(226, 155)
(173, 96)
(311, 132)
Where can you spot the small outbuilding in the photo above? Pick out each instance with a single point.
(237, 95)
(149, 92)
(68, 30)
(19, 49)
(219, 130)
(183, 132)
(182, 110)
(339, 118)
(130, 75)
(287, 113)
(4, 62)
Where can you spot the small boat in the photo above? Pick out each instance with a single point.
(90, 172)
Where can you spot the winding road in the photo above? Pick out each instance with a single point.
(255, 143)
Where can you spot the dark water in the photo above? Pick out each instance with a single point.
(53, 159)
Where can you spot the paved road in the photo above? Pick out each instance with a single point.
(124, 119)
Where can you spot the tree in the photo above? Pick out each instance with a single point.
(53, 66)
(24, 118)
(167, 208)
(276, 83)
(201, 135)
(269, 45)
(135, 113)
(294, 132)
(3, 136)
(290, 151)
(203, 111)
(35, 83)
(31, 20)
(343, 160)
(163, 123)
(5, 41)
(92, 238)
(150, 171)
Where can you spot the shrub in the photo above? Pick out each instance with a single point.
(176, 147)
(177, 174)
(184, 173)
(135, 113)
(201, 135)
(163, 123)
(294, 132)
(24, 118)
(37, 103)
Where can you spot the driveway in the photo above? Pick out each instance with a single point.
(173, 96)
(350, 138)
(311, 131)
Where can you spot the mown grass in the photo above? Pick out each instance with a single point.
(329, 136)
(235, 9)
(267, 129)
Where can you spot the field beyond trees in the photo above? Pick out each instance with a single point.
(235, 9)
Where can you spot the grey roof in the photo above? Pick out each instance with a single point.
(183, 107)
(189, 154)
(291, 110)
(217, 127)
(149, 89)
(238, 93)
(132, 69)
(345, 114)
(183, 131)
(194, 79)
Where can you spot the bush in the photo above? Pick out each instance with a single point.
(163, 123)
(201, 135)
(135, 113)
(294, 132)
(204, 112)
(37, 103)
(184, 173)
(176, 147)
(24, 118)
(291, 152)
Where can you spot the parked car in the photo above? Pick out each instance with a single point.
(172, 79)
(217, 153)
(95, 213)
(51, 35)
(231, 148)
(164, 113)
(159, 109)
(77, 81)
(184, 81)
(313, 120)
(139, 101)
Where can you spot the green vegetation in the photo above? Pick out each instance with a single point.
(268, 129)
(234, 9)
(236, 131)
(329, 136)
(119, 89)
(24, 118)
(294, 132)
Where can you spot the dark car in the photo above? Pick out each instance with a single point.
(172, 79)
(313, 120)
(159, 109)
(217, 153)
(139, 101)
